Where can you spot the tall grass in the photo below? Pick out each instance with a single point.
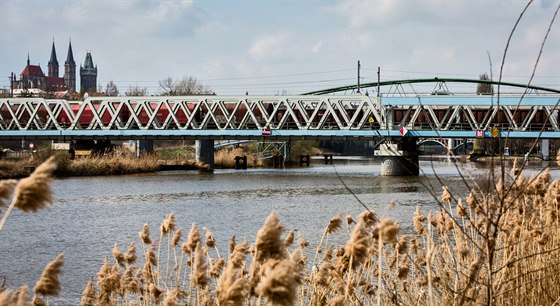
(225, 158)
(496, 248)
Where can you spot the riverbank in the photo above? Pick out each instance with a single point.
(96, 166)
(121, 162)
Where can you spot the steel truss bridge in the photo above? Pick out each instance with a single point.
(317, 115)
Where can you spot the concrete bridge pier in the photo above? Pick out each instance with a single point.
(204, 151)
(399, 158)
(144, 147)
(545, 149)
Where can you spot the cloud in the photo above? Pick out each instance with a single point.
(146, 40)
(316, 47)
(269, 47)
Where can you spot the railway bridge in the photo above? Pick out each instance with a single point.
(397, 120)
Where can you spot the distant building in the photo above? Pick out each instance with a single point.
(70, 70)
(33, 81)
(88, 75)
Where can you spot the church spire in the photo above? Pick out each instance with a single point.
(70, 70)
(53, 55)
(28, 62)
(53, 63)
(70, 56)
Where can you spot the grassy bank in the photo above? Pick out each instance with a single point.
(94, 166)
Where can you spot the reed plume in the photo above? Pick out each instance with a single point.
(279, 281)
(168, 224)
(446, 195)
(232, 287)
(119, 257)
(192, 240)
(130, 256)
(356, 249)
(368, 218)
(232, 244)
(88, 296)
(6, 190)
(289, 240)
(210, 241)
(387, 230)
(145, 234)
(269, 244)
(18, 297)
(334, 225)
(176, 237)
(199, 276)
(49, 284)
(34, 192)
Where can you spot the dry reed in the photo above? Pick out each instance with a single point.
(225, 158)
(498, 248)
(49, 284)
(31, 194)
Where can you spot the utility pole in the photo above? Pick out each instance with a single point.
(358, 86)
(12, 80)
(378, 80)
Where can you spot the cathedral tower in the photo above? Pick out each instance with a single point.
(70, 69)
(53, 63)
(88, 75)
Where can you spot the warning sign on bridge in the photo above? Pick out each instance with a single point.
(403, 131)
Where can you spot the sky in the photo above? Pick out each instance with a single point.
(266, 47)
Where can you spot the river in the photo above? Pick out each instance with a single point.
(91, 214)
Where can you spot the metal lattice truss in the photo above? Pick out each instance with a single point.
(470, 118)
(326, 112)
(196, 113)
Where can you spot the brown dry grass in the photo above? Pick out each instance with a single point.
(497, 248)
(225, 158)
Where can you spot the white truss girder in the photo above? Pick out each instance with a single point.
(271, 112)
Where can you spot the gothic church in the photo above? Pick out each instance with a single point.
(33, 80)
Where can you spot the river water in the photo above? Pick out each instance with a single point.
(91, 214)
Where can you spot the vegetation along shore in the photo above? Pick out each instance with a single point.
(497, 246)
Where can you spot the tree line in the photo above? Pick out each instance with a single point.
(186, 86)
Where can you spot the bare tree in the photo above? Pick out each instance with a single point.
(186, 86)
(166, 86)
(484, 88)
(136, 91)
(112, 90)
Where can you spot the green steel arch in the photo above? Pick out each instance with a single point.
(434, 80)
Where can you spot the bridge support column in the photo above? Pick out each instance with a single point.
(204, 151)
(545, 149)
(399, 159)
(450, 146)
(144, 147)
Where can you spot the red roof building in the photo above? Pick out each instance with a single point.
(32, 76)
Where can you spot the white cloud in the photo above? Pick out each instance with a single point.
(269, 47)
(316, 47)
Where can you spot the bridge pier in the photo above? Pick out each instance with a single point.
(545, 149)
(204, 151)
(144, 147)
(399, 158)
